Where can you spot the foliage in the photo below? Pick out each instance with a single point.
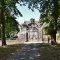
(10, 25)
(58, 24)
(7, 8)
(47, 8)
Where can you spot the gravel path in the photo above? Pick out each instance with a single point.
(28, 52)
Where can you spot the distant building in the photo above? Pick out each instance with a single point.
(32, 28)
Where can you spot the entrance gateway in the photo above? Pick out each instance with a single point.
(32, 29)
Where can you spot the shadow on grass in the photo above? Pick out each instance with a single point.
(49, 52)
(9, 50)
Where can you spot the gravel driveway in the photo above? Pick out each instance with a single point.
(28, 52)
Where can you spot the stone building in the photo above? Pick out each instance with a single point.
(31, 30)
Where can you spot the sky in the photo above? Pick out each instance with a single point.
(27, 14)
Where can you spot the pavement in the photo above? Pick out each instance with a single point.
(28, 52)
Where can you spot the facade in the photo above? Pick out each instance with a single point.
(33, 30)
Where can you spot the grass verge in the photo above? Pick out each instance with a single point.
(9, 50)
(49, 52)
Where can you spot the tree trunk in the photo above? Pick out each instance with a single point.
(26, 34)
(26, 37)
(54, 31)
(53, 38)
(2, 24)
(55, 16)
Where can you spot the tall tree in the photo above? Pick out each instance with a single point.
(7, 7)
(11, 24)
(2, 23)
(50, 7)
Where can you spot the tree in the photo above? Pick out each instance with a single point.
(49, 23)
(7, 7)
(2, 23)
(58, 25)
(48, 7)
(51, 8)
(11, 24)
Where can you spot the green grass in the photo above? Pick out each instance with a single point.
(49, 52)
(9, 50)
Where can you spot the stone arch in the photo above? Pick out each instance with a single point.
(33, 31)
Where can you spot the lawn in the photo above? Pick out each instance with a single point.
(49, 52)
(9, 50)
